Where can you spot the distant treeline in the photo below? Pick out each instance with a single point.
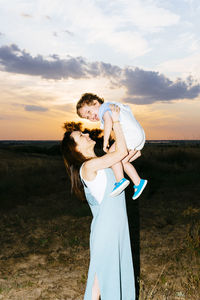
(54, 147)
(28, 148)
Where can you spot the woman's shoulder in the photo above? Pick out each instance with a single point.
(86, 171)
(89, 176)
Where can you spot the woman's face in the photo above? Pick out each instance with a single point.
(83, 141)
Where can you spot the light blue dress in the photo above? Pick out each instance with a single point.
(110, 250)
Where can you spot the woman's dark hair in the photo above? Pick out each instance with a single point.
(73, 161)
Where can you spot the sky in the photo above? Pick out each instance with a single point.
(143, 53)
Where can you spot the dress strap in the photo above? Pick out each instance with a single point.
(83, 182)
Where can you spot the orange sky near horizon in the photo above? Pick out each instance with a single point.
(142, 53)
(161, 120)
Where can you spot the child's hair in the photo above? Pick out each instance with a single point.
(88, 99)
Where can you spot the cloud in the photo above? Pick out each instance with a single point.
(143, 87)
(187, 65)
(148, 15)
(69, 108)
(26, 15)
(118, 27)
(19, 61)
(69, 32)
(125, 21)
(35, 108)
(107, 28)
(3, 117)
(131, 42)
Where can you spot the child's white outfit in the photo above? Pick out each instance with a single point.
(133, 132)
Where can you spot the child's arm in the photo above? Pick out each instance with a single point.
(107, 130)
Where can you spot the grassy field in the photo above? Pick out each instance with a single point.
(44, 230)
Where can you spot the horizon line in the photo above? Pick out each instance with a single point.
(57, 140)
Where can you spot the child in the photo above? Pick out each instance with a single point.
(93, 108)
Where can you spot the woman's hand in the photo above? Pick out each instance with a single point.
(91, 166)
(115, 112)
(105, 148)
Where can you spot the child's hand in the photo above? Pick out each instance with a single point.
(105, 148)
(115, 112)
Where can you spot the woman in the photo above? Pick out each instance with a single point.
(110, 272)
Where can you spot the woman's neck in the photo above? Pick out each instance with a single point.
(90, 153)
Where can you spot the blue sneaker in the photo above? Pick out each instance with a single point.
(119, 187)
(139, 188)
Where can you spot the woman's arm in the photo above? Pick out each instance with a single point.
(91, 166)
(107, 130)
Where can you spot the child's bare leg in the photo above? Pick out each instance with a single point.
(129, 156)
(121, 182)
(139, 184)
(118, 171)
(118, 167)
(131, 172)
(132, 155)
(135, 155)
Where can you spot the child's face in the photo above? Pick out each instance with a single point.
(90, 112)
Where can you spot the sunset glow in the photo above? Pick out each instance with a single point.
(142, 53)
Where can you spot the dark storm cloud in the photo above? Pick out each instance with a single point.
(103, 69)
(19, 61)
(35, 108)
(143, 87)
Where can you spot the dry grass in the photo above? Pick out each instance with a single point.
(44, 231)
